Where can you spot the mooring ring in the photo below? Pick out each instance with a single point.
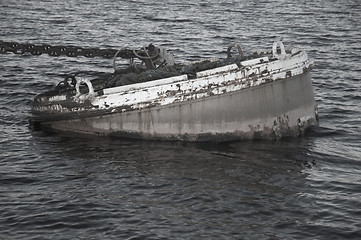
(240, 52)
(88, 83)
(274, 49)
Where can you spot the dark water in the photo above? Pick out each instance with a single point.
(72, 187)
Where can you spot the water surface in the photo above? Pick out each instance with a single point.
(55, 186)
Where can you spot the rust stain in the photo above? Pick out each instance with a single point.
(288, 74)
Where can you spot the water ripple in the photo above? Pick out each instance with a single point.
(66, 186)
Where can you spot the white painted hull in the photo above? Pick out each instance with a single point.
(259, 99)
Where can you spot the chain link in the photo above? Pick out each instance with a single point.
(69, 51)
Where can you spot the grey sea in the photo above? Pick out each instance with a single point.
(57, 186)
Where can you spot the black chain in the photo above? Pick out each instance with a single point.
(70, 51)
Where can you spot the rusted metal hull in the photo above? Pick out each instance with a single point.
(279, 109)
(258, 99)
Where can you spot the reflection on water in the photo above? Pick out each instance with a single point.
(201, 186)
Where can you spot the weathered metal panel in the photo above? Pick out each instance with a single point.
(215, 71)
(135, 87)
(263, 111)
(167, 91)
(213, 83)
(260, 98)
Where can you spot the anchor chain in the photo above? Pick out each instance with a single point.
(61, 50)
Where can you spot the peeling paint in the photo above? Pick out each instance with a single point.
(215, 86)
